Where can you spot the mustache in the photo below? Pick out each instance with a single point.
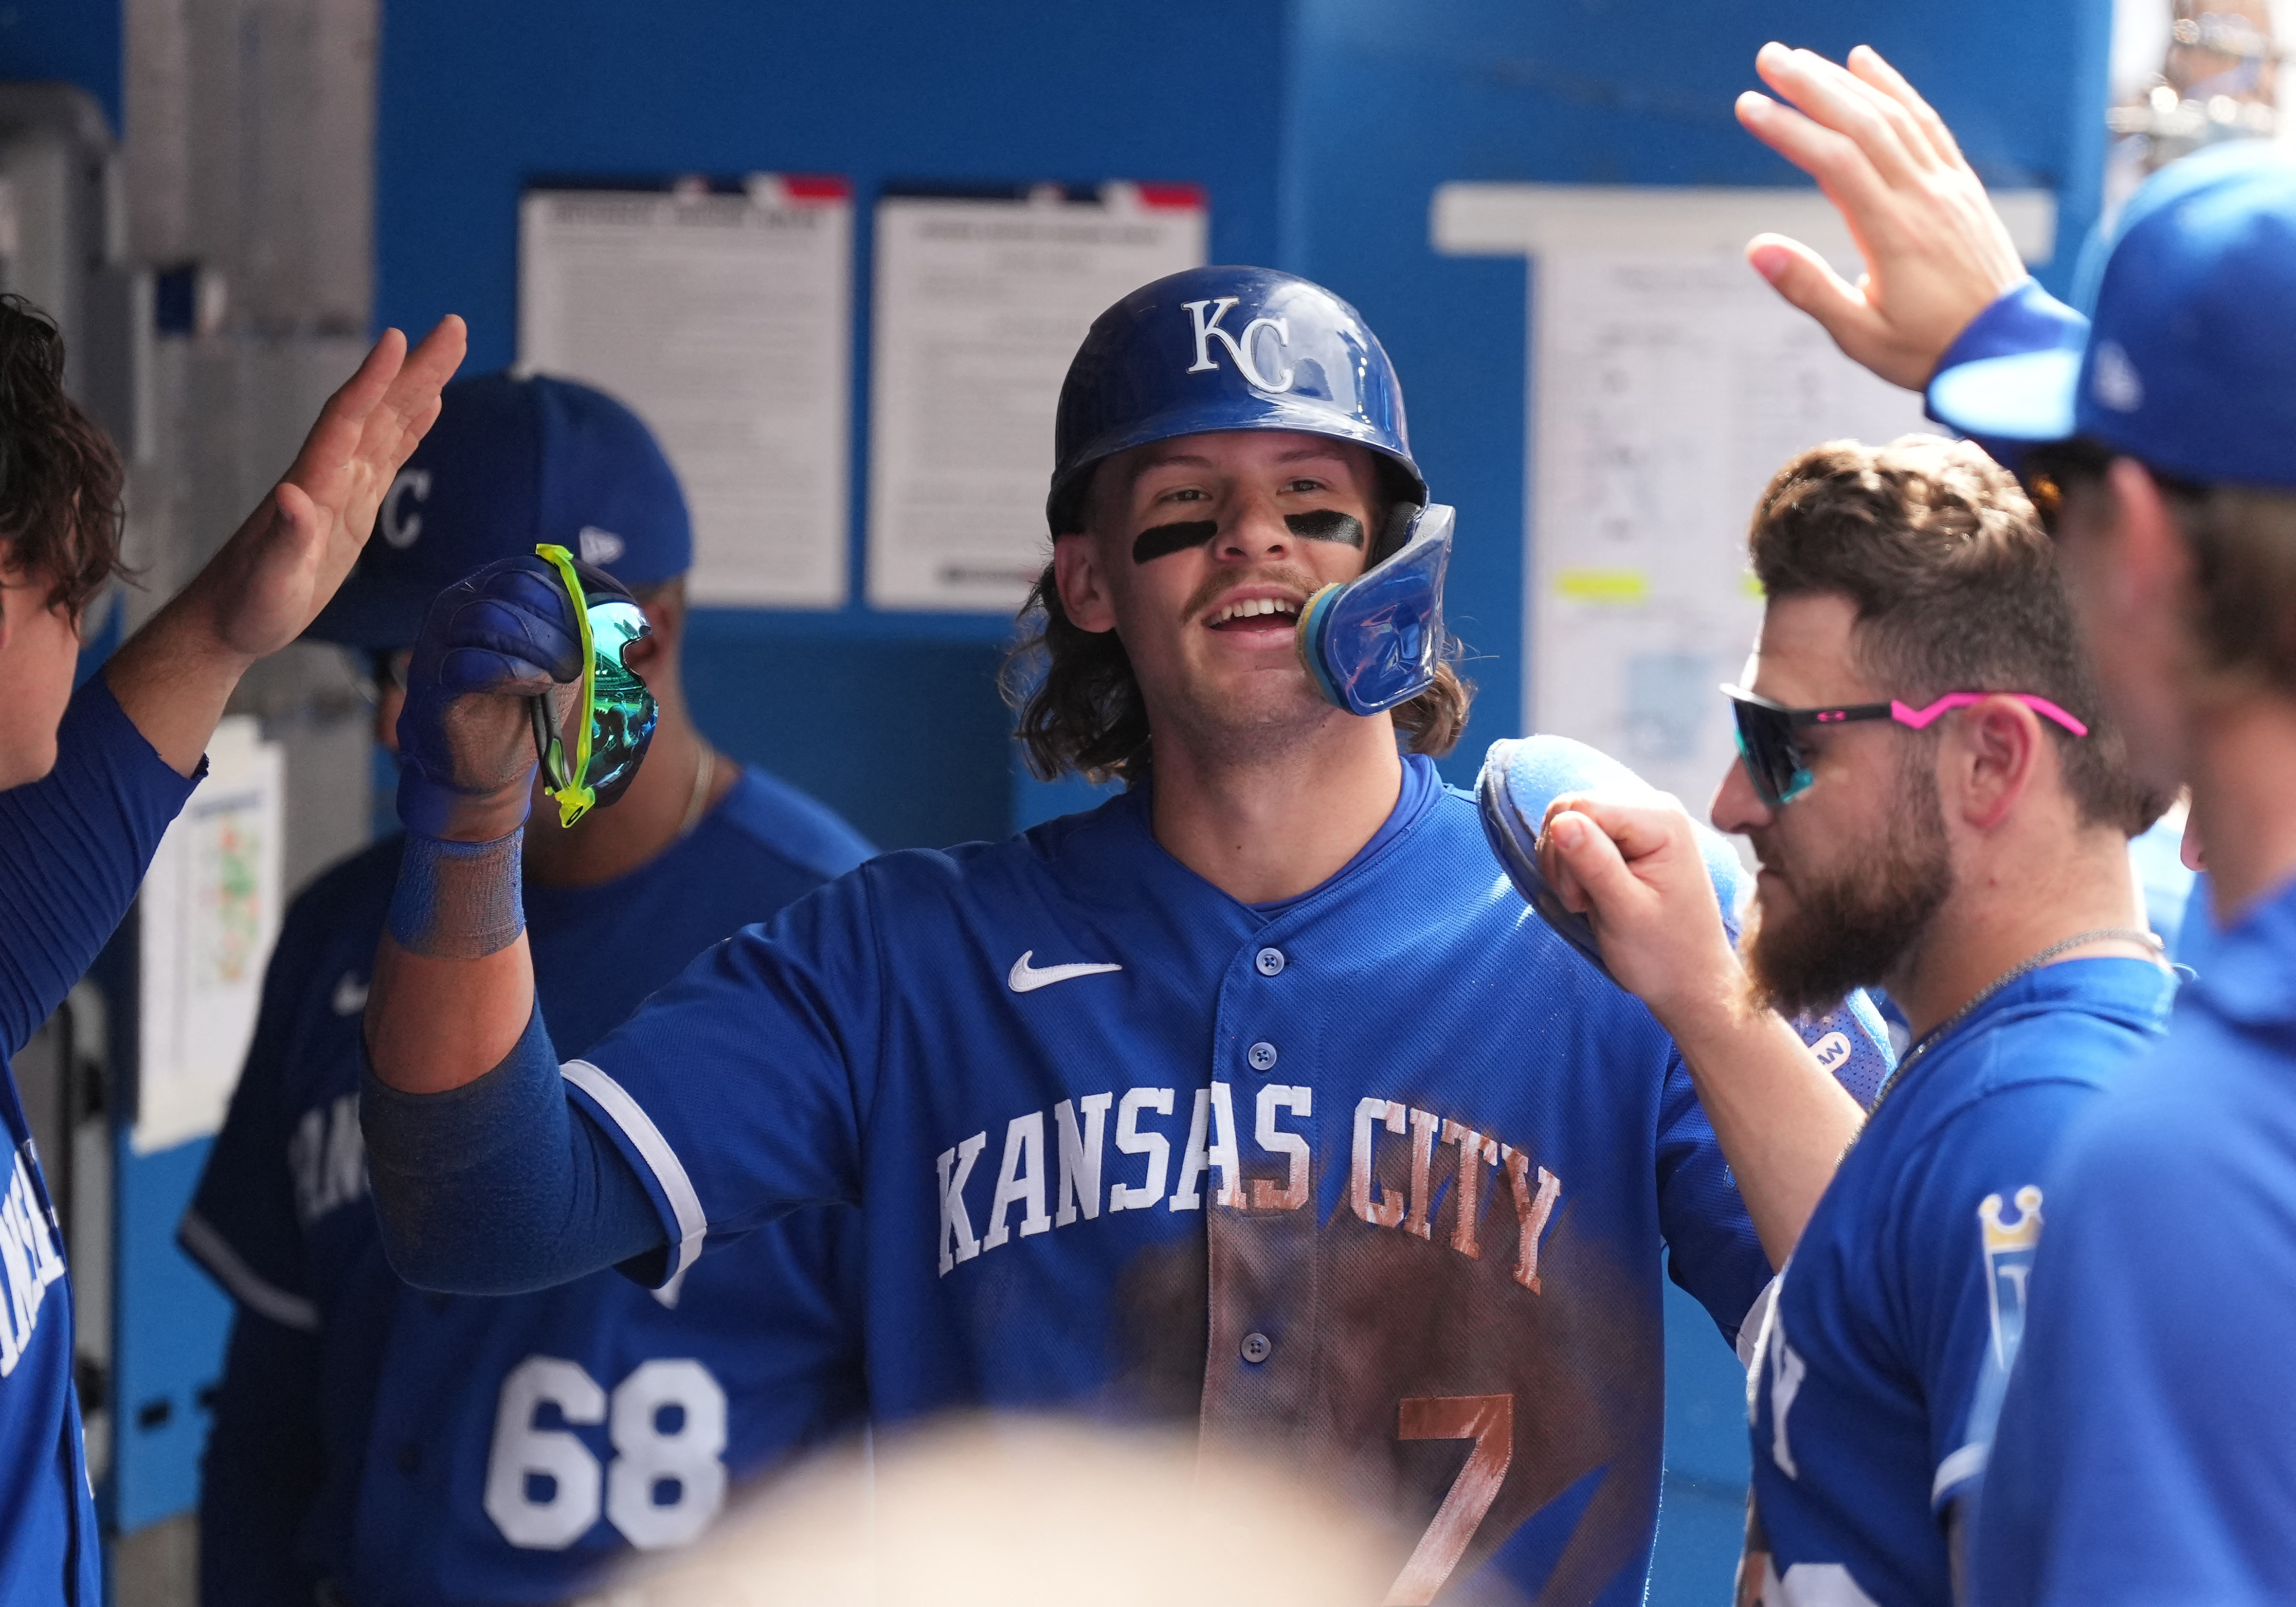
(1215, 586)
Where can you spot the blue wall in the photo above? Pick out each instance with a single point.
(1320, 129)
(76, 41)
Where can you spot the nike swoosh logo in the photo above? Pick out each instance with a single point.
(350, 995)
(1025, 977)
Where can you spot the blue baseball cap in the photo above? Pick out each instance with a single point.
(2190, 364)
(509, 463)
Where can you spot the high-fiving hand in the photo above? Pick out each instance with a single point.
(1937, 254)
(281, 566)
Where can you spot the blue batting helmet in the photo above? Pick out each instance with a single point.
(1225, 349)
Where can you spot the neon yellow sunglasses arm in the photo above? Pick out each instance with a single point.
(574, 797)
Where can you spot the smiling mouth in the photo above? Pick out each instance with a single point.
(1255, 613)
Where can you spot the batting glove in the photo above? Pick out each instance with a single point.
(465, 736)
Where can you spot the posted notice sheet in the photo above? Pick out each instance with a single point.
(980, 303)
(723, 319)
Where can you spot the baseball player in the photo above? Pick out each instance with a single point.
(1938, 808)
(403, 1446)
(1254, 1098)
(89, 781)
(2146, 1447)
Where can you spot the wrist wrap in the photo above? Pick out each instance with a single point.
(458, 900)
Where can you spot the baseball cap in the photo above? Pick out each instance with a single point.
(2190, 364)
(512, 461)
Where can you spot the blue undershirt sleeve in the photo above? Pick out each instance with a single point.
(73, 848)
(499, 1186)
(264, 1460)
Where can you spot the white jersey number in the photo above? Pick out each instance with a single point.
(663, 1486)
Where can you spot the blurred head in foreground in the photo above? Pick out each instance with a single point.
(1018, 1512)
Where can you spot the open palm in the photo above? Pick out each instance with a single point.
(280, 567)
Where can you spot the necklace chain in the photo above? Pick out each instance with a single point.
(705, 768)
(1929, 1039)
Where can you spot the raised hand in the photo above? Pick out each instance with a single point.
(285, 562)
(175, 676)
(1936, 252)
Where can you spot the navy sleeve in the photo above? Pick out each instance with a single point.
(1965, 1223)
(262, 1466)
(73, 848)
(1712, 1249)
(496, 1187)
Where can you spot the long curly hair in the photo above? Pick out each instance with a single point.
(61, 511)
(1081, 708)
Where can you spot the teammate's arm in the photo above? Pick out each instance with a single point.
(174, 677)
(1936, 252)
(1634, 869)
(485, 1180)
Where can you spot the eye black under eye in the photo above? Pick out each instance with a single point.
(1326, 524)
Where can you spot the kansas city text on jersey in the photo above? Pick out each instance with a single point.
(1078, 1129)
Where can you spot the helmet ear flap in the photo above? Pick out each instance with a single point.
(1393, 533)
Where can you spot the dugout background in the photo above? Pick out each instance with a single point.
(342, 164)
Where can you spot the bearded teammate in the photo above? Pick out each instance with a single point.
(395, 1444)
(1254, 1097)
(2147, 1449)
(1938, 808)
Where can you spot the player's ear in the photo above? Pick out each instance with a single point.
(1082, 580)
(1999, 743)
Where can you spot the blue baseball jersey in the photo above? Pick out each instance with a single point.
(73, 847)
(1380, 1181)
(503, 1450)
(2146, 1451)
(1880, 1370)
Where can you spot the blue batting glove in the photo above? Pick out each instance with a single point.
(465, 738)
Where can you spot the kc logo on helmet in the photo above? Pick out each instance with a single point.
(1240, 347)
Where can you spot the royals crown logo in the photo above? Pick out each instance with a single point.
(2008, 1263)
(2023, 1234)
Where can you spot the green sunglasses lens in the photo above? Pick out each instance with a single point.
(617, 715)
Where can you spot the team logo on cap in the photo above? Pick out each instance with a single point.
(600, 547)
(1242, 349)
(400, 528)
(2115, 380)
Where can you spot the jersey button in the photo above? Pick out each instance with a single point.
(1258, 1348)
(1270, 961)
(1261, 1056)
